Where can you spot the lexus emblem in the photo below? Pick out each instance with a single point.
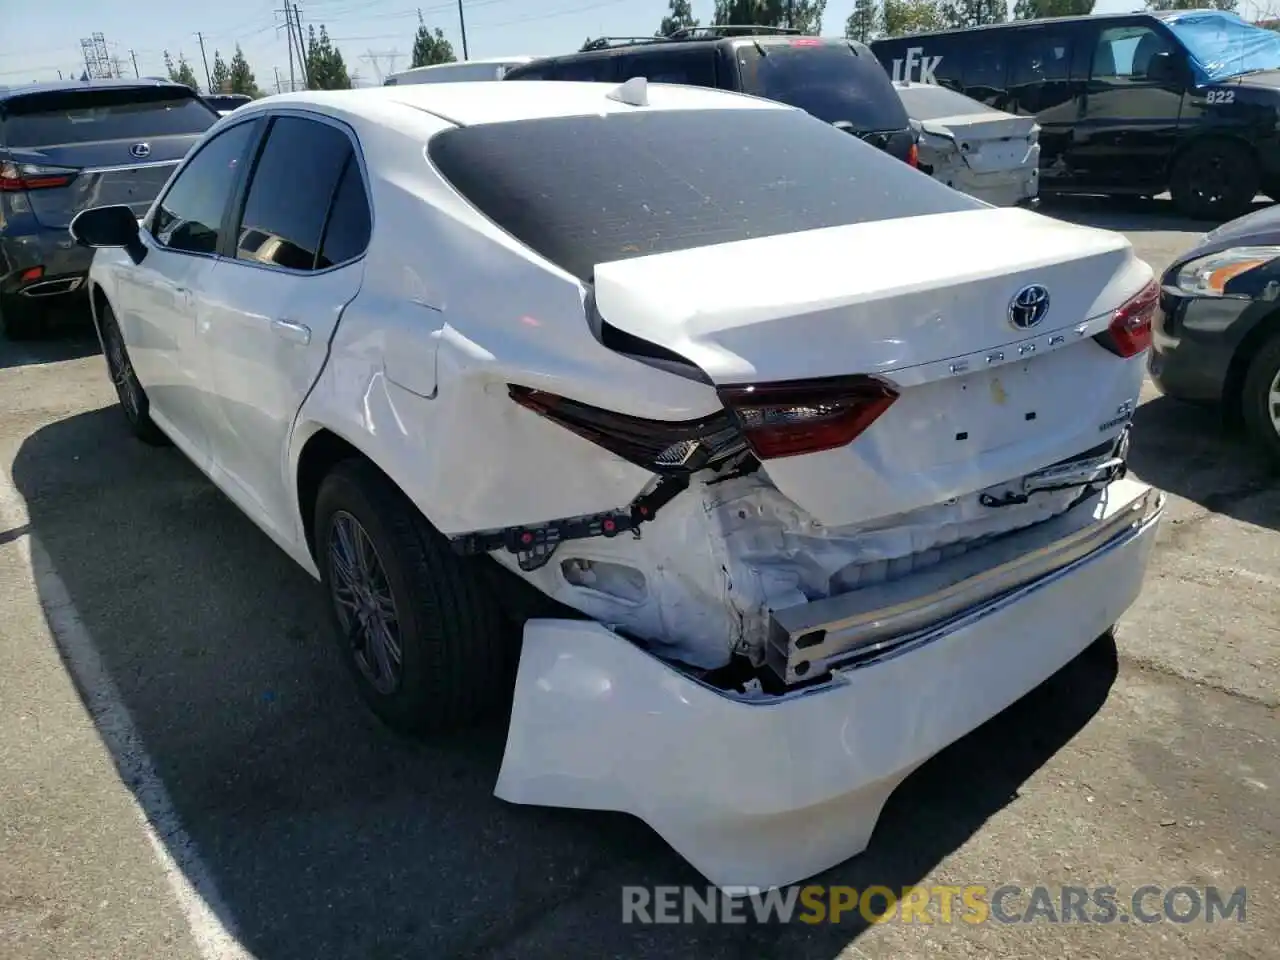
(1028, 307)
(140, 151)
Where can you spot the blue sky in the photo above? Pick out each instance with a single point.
(47, 35)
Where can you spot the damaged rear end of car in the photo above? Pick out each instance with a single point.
(909, 507)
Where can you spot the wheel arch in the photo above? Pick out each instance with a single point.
(1180, 150)
(321, 450)
(1264, 330)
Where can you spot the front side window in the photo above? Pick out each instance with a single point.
(290, 192)
(666, 180)
(1124, 53)
(189, 218)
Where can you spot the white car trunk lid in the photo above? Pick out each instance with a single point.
(924, 303)
(986, 142)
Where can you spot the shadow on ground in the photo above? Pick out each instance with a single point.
(329, 837)
(1193, 452)
(1127, 214)
(69, 336)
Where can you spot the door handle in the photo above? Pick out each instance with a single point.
(292, 331)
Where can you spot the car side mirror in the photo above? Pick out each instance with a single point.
(114, 226)
(1163, 68)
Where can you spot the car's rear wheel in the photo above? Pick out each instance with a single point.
(20, 318)
(1261, 398)
(1214, 180)
(427, 648)
(133, 399)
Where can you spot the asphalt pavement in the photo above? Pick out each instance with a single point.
(185, 772)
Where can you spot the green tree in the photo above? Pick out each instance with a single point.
(903, 17)
(679, 17)
(1227, 5)
(242, 79)
(220, 77)
(865, 23)
(326, 70)
(802, 15)
(429, 47)
(1036, 9)
(180, 71)
(973, 13)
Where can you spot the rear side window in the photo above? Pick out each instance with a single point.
(591, 70)
(694, 67)
(346, 235)
(1042, 57)
(293, 183)
(827, 80)
(985, 71)
(83, 116)
(661, 181)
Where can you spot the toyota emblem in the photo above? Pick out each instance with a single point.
(140, 151)
(1028, 307)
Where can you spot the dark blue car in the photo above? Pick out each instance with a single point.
(69, 145)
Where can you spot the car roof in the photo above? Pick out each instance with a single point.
(463, 63)
(61, 86)
(1041, 21)
(479, 102)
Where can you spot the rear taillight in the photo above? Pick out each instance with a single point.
(1129, 332)
(772, 420)
(913, 156)
(660, 445)
(33, 176)
(806, 416)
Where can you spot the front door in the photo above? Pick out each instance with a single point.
(269, 309)
(1131, 109)
(157, 313)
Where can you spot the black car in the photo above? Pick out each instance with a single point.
(838, 81)
(1216, 337)
(224, 103)
(69, 145)
(1185, 101)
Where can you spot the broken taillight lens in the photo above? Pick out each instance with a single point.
(913, 156)
(15, 177)
(773, 420)
(796, 417)
(1129, 332)
(662, 446)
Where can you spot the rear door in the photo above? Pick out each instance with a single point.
(106, 145)
(268, 308)
(1044, 83)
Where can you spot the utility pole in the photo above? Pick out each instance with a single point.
(134, 57)
(288, 26)
(302, 50)
(462, 22)
(208, 80)
(277, 70)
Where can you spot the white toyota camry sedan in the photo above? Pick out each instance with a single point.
(749, 466)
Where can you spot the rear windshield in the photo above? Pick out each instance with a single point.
(826, 79)
(83, 116)
(666, 180)
(925, 101)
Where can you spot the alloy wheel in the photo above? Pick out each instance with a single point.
(364, 603)
(121, 371)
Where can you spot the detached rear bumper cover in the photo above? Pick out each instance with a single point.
(761, 793)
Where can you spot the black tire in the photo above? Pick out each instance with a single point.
(1260, 413)
(1214, 180)
(20, 318)
(133, 399)
(455, 646)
